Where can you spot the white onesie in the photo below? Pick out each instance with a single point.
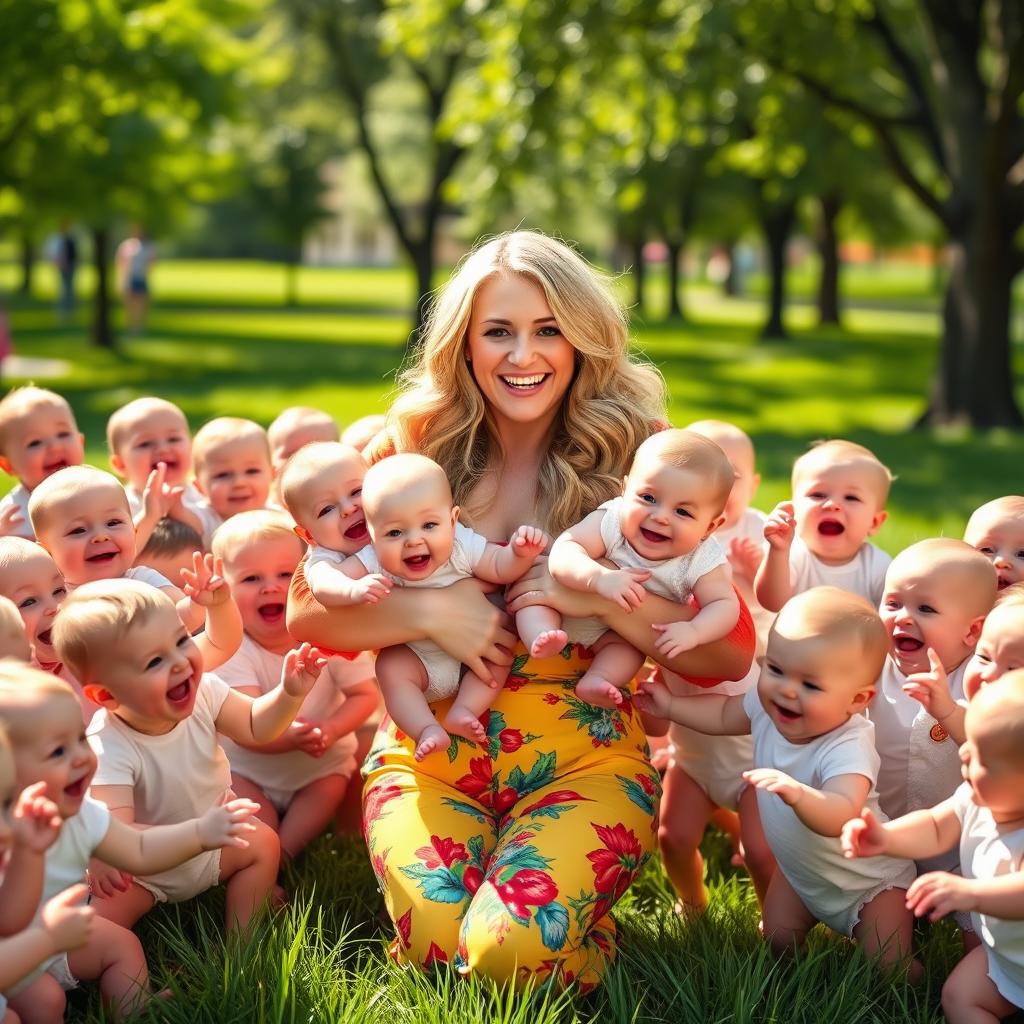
(176, 776)
(673, 578)
(864, 574)
(988, 850)
(282, 775)
(66, 863)
(920, 761)
(443, 671)
(832, 888)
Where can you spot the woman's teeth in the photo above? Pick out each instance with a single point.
(524, 382)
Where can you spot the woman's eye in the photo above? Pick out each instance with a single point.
(550, 331)
(495, 332)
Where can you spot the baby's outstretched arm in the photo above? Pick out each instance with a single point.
(713, 714)
(719, 611)
(505, 563)
(915, 836)
(573, 563)
(346, 584)
(824, 810)
(773, 584)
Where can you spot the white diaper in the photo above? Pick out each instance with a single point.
(715, 763)
(584, 631)
(186, 880)
(443, 671)
(57, 967)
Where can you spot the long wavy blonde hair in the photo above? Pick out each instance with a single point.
(615, 400)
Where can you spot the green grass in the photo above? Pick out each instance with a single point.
(219, 342)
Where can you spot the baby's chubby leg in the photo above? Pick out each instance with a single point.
(685, 809)
(403, 681)
(785, 919)
(757, 854)
(540, 628)
(247, 788)
(614, 665)
(42, 1002)
(114, 956)
(250, 873)
(124, 908)
(886, 930)
(473, 699)
(309, 813)
(969, 995)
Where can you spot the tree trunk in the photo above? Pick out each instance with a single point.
(675, 300)
(291, 283)
(974, 382)
(731, 284)
(423, 264)
(102, 329)
(777, 223)
(828, 249)
(28, 262)
(639, 275)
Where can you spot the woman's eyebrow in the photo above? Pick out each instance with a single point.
(498, 320)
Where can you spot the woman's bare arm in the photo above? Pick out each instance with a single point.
(459, 619)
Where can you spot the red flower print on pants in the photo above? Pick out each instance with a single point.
(615, 866)
(527, 887)
(444, 852)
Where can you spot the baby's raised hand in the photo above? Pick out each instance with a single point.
(11, 521)
(159, 497)
(780, 528)
(674, 638)
(226, 824)
(863, 836)
(301, 669)
(204, 583)
(372, 588)
(67, 919)
(938, 893)
(623, 586)
(932, 689)
(528, 541)
(653, 698)
(107, 881)
(771, 780)
(35, 821)
(745, 557)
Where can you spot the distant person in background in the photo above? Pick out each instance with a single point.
(135, 255)
(65, 259)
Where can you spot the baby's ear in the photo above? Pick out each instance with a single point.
(862, 698)
(117, 464)
(974, 631)
(455, 514)
(876, 521)
(198, 486)
(303, 534)
(713, 525)
(5, 465)
(100, 695)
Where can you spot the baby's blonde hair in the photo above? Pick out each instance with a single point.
(97, 617)
(12, 631)
(309, 460)
(17, 550)
(996, 712)
(1011, 597)
(223, 430)
(1010, 506)
(838, 452)
(689, 450)
(722, 431)
(249, 527)
(21, 686)
(837, 616)
(978, 581)
(122, 419)
(64, 484)
(359, 433)
(393, 475)
(613, 403)
(21, 400)
(301, 416)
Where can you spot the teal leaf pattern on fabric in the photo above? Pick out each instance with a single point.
(553, 919)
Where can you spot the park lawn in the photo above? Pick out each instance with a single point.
(325, 959)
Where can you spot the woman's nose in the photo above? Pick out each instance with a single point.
(522, 350)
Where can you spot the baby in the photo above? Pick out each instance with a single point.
(417, 541)
(814, 760)
(13, 636)
(38, 436)
(170, 549)
(984, 821)
(658, 534)
(997, 531)
(156, 739)
(300, 778)
(359, 433)
(233, 469)
(937, 594)
(820, 538)
(294, 428)
(29, 825)
(44, 724)
(1001, 644)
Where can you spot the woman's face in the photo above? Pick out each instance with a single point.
(520, 359)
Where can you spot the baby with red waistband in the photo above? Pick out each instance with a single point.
(38, 436)
(820, 538)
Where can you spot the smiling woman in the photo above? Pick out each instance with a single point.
(505, 858)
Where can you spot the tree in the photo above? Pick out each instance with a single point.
(947, 114)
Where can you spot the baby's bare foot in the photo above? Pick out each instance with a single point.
(431, 739)
(599, 692)
(548, 643)
(464, 723)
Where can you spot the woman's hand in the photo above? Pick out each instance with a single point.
(538, 586)
(466, 626)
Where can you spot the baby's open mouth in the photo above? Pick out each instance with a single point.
(416, 561)
(1002, 582)
(77, 789)
(830, 528)
(651, 537)
(180, 693)
(102, 558)
(786, 715)
(44, 637)
(272, 612)
(357, 531)
(52, 467)
(907, 644)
